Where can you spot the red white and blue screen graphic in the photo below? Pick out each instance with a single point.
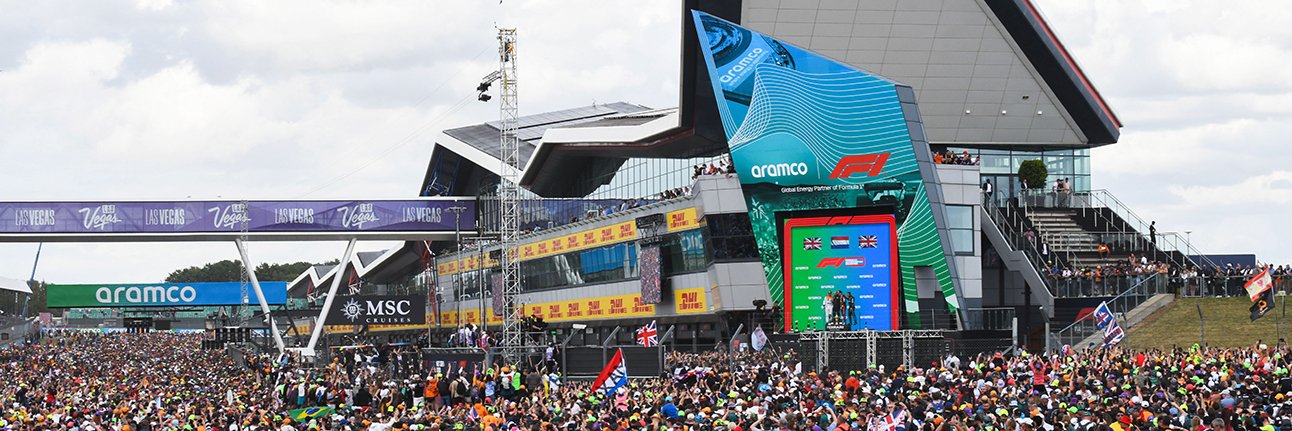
(840, 273)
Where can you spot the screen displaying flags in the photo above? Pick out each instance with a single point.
(838, 242)
(613, 376)
(1258, 284)
(868, 241)
(647, 335)
(813, 243)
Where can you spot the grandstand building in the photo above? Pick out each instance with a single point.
(605, 183)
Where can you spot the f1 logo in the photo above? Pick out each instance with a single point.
(835, 262)
(869, 164)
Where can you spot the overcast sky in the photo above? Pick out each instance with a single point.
(155, 99)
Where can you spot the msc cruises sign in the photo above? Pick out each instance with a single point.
(378, 310)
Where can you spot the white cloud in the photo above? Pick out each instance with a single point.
(155, 99)
(1203, 92)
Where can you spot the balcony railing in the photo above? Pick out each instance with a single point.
(989, 319)
(1090, 202)
(1123, 303)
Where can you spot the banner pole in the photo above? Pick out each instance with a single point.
(260, 296)
(331, 294)
(1202, 326)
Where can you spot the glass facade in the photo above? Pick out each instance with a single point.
(1000, 167)
(680, 252)
(960, 223)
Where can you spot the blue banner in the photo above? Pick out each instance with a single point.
(160, 294)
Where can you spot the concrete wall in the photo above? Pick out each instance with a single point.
(961, 186)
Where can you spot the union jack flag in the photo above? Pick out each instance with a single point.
(867, 241)
(647, 335)
(813, 243)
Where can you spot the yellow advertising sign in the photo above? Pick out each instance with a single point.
(605, 307)
(576, 241)
(690, 300)
(682, 220)
(470, 263)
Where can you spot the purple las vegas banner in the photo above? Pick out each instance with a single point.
(229, 216)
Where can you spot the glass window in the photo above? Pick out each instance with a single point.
(731, 237)
(683, 252)
(995, 164)
(960, 222)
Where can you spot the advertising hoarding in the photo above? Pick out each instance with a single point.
(229, 216)
(840, 273)
(160, 294)
(378, 310)
(808, 133)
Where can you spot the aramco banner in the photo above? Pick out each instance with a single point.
(233, 216)
(160, 294)
(378, 310)
(811, 137)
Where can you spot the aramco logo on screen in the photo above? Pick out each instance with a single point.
(145, 294)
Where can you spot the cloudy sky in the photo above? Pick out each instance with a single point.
(159, 99)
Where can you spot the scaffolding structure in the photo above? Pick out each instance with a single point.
(509, 193)
(822, 339)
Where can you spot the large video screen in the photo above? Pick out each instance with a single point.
(841, 273)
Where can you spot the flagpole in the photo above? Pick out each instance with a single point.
(1202, 326)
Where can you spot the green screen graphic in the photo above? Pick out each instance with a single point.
(841, 273)
(809, 134)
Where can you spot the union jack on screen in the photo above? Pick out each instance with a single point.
(647, 336)
(867, 241)
(813, 243)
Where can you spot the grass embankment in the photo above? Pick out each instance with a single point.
(1228, 324)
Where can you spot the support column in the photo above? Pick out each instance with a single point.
(260, 295)
(331, 294)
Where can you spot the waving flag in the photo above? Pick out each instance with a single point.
(813, 243)
(1264, 303)
(304, 415)
(1113, 334)
(758, 339)
(647, 335)
(1258, 284)
(1103, 315)
(484, 341)
(613, 376)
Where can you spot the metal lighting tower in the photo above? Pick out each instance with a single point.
(508, 189)
(509, 193)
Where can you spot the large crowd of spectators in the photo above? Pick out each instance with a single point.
(952, 158)
(124, 382)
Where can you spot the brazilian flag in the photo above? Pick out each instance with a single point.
(304, 415)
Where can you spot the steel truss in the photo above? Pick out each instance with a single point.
(908, 336)
(509, 194)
